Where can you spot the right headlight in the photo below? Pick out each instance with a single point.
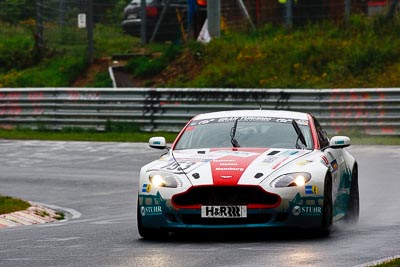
(291, 179)
(165, 179)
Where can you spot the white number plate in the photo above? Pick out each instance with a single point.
(223, 211)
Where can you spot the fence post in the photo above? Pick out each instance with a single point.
(39, 29)
(289, 14)
(90, 30)
(392, 9)
(246, 14)
(214, 18)
(347, 9)
(160, 19)
(143, 22)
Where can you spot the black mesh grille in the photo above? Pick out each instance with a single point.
(226, 195)
(251, 219)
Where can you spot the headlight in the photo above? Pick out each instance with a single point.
(165, 179)
(291, 179)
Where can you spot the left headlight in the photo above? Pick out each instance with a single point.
(291, 179)
(165, 179)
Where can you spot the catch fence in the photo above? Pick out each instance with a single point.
(367, 111)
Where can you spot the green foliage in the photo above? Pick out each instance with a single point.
(13, 11)
(16, 49)
(9, 204)
(121, 127)
(147, 66)
(110, 40)
(101, 80)
(53, 72)
(74, 134)
(324, 55)
(113, 11)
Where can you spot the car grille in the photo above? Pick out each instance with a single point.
(251, 219)
(251, 196)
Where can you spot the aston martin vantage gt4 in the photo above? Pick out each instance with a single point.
(248, 169)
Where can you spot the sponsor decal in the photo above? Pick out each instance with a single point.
(229, 169)
(270, 160)
(279, 157)
(296, 210)
(243, 154)
(306, 206)
(304, 162)
(151, 205)
(146, 188)
(246, 119)
(311, 189)
(334, 165)
(325, 159)
(307, 210)
(288, 153)
(150, 210)
(223, 211)
(280, 162)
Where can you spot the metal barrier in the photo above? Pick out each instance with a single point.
(370, 111)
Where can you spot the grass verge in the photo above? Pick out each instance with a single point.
(9, 204)
(393, 263)
(81, 135)
(137, 136)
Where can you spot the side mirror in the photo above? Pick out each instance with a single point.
(157, 142)
(339, 142)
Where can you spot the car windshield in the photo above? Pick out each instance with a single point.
(250, 132)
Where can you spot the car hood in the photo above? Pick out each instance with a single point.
(229, 166)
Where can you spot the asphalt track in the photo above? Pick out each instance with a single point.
(97, 183)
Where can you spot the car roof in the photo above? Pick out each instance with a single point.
(254, 113)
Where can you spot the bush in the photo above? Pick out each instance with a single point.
(55, 72)
(144, 66)
(16, 50)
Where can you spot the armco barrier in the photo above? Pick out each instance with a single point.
(372, 111)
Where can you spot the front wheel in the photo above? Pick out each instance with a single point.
(327, 210)
(148, 233)
(353, 208)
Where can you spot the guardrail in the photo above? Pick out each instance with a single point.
(371, 111)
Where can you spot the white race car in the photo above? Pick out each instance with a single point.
(248, 169)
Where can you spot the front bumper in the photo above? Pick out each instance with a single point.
(294, 211)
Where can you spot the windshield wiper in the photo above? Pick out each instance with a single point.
(300, 135)
(234, 142)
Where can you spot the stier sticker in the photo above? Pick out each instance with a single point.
(151, 205)
(306, 206)
(150, 210)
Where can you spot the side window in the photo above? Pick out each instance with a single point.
(322, 136)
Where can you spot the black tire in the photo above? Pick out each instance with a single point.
(353, 208)
(148, 233)
(327, 210)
